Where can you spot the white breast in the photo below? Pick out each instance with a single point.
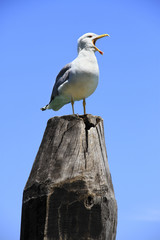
(83, 78)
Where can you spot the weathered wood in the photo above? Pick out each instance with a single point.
(69, 194)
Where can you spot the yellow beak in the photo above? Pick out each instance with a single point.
(95, 39)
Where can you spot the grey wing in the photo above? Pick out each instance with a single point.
(62, 76)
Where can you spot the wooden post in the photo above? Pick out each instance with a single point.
(69, 194)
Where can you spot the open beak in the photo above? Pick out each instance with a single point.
(96, 38)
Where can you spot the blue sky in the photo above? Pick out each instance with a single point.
(37, 39)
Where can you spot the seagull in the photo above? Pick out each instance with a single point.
(79, 79)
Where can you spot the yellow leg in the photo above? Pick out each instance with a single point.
(84, 106)
(72, 102)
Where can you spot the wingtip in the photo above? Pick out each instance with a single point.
(44, 108)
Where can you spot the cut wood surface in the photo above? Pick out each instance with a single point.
(69, 194)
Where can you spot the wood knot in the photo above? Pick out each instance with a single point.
(89, 202)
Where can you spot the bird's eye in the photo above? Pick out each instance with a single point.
(90, 36)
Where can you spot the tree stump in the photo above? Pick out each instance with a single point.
(69, 194)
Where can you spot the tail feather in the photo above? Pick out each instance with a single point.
(44, 108)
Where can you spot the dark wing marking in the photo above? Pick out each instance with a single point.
(62, 76)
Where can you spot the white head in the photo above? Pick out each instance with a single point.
(88, 40)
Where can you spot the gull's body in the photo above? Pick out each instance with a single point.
(81, 82)
(78, 79)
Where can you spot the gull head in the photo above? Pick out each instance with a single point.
(88, 41)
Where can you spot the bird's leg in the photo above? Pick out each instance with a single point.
(84, 105)
(72, 102)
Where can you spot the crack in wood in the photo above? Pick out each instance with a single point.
(88, 126)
